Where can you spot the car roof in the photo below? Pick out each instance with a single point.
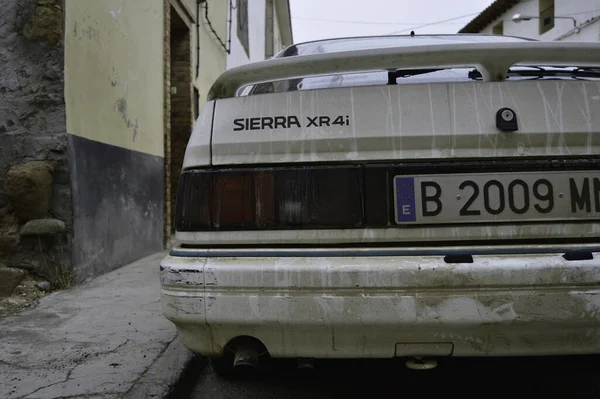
(369, 42)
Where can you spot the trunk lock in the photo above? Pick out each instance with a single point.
(506, 120)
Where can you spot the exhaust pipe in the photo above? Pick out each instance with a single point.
(418, 363)
(245, 357)
(306, 363)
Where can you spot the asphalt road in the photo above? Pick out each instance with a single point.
(572, 377)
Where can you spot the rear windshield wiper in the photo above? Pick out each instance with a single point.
(540, 72)
(405, 73)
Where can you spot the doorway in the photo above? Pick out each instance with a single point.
(178, 108)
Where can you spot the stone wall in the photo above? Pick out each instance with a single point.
(33, 139)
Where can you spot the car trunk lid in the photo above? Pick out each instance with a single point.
(408, 122)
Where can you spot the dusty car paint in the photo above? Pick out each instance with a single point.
(363, 307)
(413, 122)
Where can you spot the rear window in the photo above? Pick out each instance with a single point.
(358, 79)
(449, 75)
(378, 78)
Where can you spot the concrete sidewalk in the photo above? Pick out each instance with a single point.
(104, 339)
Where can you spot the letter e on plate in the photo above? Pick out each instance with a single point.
(405, 199)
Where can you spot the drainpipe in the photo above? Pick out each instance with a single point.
(198, 38)
(228, 49)
(578, 28)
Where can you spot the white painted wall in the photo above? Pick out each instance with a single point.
(256, 35)
(278, 41)
(581, 10)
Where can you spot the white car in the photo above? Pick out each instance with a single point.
(406, 196)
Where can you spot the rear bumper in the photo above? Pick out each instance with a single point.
(385, 306)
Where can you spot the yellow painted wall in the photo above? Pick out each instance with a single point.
(213, 57)
(190, 6)
(114, 72)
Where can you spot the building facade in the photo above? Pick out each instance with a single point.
(548, 20)
(262, 29)
(104, 95)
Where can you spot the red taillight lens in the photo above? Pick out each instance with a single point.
(265, 200)
(275, 198)
(232, 203)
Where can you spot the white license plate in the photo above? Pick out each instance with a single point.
(497, 197)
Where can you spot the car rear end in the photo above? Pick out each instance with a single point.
(428, 207)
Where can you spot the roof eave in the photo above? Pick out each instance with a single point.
(487, 16)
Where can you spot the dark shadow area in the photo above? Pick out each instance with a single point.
(551, 377)
(181, 98)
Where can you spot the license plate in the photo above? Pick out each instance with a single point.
(497, 197)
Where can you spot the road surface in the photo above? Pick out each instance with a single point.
(568, 378)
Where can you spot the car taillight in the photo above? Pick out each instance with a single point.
(233, 206)
(270, 198)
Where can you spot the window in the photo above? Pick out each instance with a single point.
(269, 29)
(196, 103)
(546, 15)
(498, 29)
(242, 24)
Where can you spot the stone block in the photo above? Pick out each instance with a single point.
(9, 233)
(46, 22)
(29, 188)
(43, 227)
(9, 280)
(45, 286)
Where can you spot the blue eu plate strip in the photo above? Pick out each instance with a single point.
(405, 199)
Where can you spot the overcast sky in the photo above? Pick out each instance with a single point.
(322, 19)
